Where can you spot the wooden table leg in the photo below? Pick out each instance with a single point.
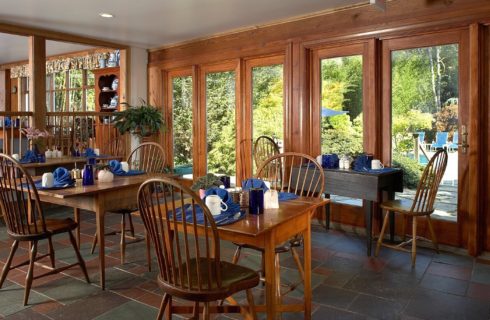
(76, 215)
(368, 210)
(270, 278)
(391, 196)
(307, 265)
(99, 218)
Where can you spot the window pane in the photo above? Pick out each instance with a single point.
(59, 98)
(341, 116)
(267, 102)
(424, 102)
(90, 78)
(76, 78)
(220, 119)
(75, 100)
(90, 100)
(60, 80)
(182, 123)
(341, 110)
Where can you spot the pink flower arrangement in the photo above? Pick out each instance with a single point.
(35, 134)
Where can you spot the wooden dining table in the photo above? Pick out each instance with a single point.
(269, 230)
(99, 198)
(69, 162)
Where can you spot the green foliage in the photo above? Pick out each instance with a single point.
(142, 120)
(412, 171)
(404, 125)
(343, 138)
(206, 182)
(182, 120)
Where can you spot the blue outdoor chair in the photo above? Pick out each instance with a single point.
(421, 138)
(441, 140)
(454, 145)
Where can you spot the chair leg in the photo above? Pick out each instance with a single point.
(131, 226)
(51, 252)
(30, 272)
(404, 227)
(251, 304)
(195, 311)
(94, 244)
(236, 256)
(277, 271)
(296, 258)
(205, 312)
(6, 267)
(163, 306)
(432, 234)
(148, 251)
(263, 269)
(382, 233)
(414, 240)
(123, 238)
(81, 262)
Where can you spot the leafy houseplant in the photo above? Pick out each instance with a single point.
(206, 182)
(143, 120)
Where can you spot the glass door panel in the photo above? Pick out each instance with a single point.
(182, 125)
(424, 108)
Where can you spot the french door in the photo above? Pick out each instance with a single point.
(425, 108)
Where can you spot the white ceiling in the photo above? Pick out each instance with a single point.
(149, 23)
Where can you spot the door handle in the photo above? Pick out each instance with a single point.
(464, 140)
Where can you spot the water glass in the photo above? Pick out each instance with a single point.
(88, 175)
(256, 201)
(226, 181)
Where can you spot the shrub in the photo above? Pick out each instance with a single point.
(412, 171)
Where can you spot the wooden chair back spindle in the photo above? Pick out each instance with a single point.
(149, 157)
(21, 209)
(429, 183)
(264, 148)
(182, 256)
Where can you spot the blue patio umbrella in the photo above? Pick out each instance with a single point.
(327, 112)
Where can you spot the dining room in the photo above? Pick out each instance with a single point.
(254, 160)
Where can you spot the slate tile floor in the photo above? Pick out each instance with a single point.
(346, 283)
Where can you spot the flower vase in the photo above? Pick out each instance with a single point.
(39, 153)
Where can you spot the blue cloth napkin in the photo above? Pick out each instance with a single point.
(118, 171)
(29, 157)
(330, 161)
(254, 183)
(89, 152)
(383, 170)
(226, 217)
(62, 179)
(285, 196)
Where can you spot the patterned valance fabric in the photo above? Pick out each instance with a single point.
(88, 61)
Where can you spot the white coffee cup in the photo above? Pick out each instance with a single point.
(16, 156)
(376, 164)
(215, 204)
(48, 154)
(97, 152)
(47, 180)
(341, 164)
(59, 153)
(346, 164)
(125, 166)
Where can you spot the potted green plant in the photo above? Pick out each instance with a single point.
(206, 182)
(143, 120)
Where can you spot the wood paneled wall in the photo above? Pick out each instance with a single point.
(363, 25)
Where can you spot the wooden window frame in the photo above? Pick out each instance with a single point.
(51, 92)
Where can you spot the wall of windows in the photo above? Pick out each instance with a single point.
(71, 90)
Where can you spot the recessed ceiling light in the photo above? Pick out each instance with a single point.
(106, 15)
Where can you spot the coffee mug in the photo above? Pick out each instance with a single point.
(124, 166)
(97, 152)
(16, 156)
(376, 164)
(47, 180)
(215, 204)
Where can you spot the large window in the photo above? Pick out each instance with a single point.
(182, 123)
(267, 102)
(71, 90)
(220, 123)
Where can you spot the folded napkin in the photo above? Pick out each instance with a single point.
(254, 183)
(226, 217)
(62, 179)
(225, 196)
(89, 152)
(118, 171)
(330, 161)
(29, 157)
(383, 170)
(258, 183)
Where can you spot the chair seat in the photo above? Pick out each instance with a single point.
(55, 226)
(234, 278)
(402, 206)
